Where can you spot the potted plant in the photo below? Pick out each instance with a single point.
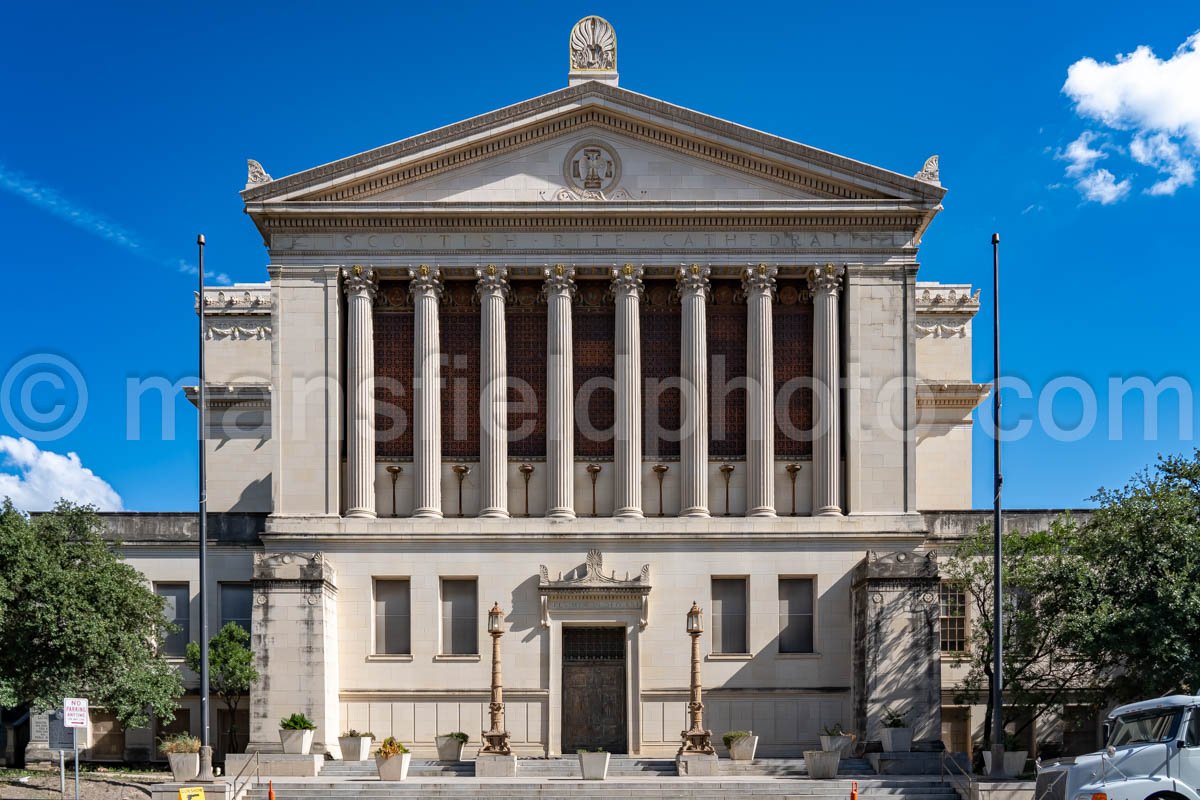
(183, 754)
(1014, 759)
(741, 745)
(450, 746)
(822, 765)
(834, 737)
(392, 760)
(593, 764)
(356, 745)
(896, 735)
(296, 734)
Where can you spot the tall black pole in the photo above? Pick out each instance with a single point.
(201, 404)
(997, 542)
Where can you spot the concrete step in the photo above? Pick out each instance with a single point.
(574, 790)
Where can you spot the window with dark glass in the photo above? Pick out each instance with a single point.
(235, 604)
(176, 610)
(795, 615)
(393, 620)
(729, 615)
(460, 617)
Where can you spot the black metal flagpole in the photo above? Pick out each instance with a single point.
(201, 404)
(997, 542)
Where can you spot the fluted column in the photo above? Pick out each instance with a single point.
(693, 373)
(360, 286)
(759, 285)
(825, 283)
(426, 289)
(627, 375)
(560, 419)
(492, 289)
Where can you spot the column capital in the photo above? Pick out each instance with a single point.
(759, 278)
(425, 279)
(693, 278)
(627, 279)
(491, 280)
(826, 279)
(359, 279)
(560, 278)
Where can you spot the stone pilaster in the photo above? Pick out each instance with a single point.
(627, 373)
(759, 285)
(492, 289)
(426, 289)
(360, 286)
(693, 374)
(560, 418)
(825, 283)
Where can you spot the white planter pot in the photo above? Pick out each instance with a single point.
(296, 742)
(742, 748)
(896, 740)
(593, 766)
(394, 768)
(842, 744)
(355, 748)
(184, 766)
(1014, 763)
(822, 765)
(449, 748)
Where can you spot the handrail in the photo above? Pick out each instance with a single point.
(252, 760)
(953, 762)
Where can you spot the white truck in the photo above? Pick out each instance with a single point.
(1152, 752)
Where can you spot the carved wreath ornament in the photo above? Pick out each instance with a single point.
(593, 45)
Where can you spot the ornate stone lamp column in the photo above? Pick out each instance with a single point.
(492, 289)
(495, 758)
(759, 284)
(426, 289)
(360, 286)
(627, 372)
(560, 417)
(825, 283)
(693, 448)
(696, 755)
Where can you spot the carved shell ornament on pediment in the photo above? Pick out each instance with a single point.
(593, 45)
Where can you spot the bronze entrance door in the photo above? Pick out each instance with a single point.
(593, 689)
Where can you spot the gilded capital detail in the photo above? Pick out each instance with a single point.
(627, 279)
(425, 279)
(559, 278)
(359, 279)
(759, 278)
(693, 278)
(826, 279)
(491, 279)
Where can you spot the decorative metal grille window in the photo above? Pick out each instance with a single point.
(954, 618)
(593, 644)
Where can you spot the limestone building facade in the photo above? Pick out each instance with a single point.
(592, 356)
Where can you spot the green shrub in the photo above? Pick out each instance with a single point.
(893, 719)
(390, 748)
(297, 722)
(462, 737)
(731, 736)
(353, 734)
(179, 743)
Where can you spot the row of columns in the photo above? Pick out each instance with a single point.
(425, 286)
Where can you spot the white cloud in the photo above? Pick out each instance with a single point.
(1156, 100)
(36, 479)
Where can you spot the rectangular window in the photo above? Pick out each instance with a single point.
(729, 615)
(393, 625)
(460, 617)
(954, 618)
(235, 604)
(795, 615)
(177, 611)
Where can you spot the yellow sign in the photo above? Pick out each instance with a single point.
(193, 793)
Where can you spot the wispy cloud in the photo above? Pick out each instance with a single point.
(51, 201)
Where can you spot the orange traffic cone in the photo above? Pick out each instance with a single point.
(853, 790)
(271, 790)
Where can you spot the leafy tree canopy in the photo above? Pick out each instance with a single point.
(76, 621)
(231, 671)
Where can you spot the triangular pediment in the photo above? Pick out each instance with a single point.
(593, 142)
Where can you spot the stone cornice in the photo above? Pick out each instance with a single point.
(622, 107)
(237, 300)
(947, 298)
(951, 394)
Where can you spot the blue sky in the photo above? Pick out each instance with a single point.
(127, 128)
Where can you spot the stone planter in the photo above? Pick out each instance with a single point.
(184, 766)
(593, 766)
(896, 740)
(742, 748)
(449, 748)
(355, 748)
(296, 742)
(394, 768)
(822, 765)
(843, 744)
(1014, 763)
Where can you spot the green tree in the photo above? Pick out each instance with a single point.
(231, 670)
(1049, 592)
(75, 620)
